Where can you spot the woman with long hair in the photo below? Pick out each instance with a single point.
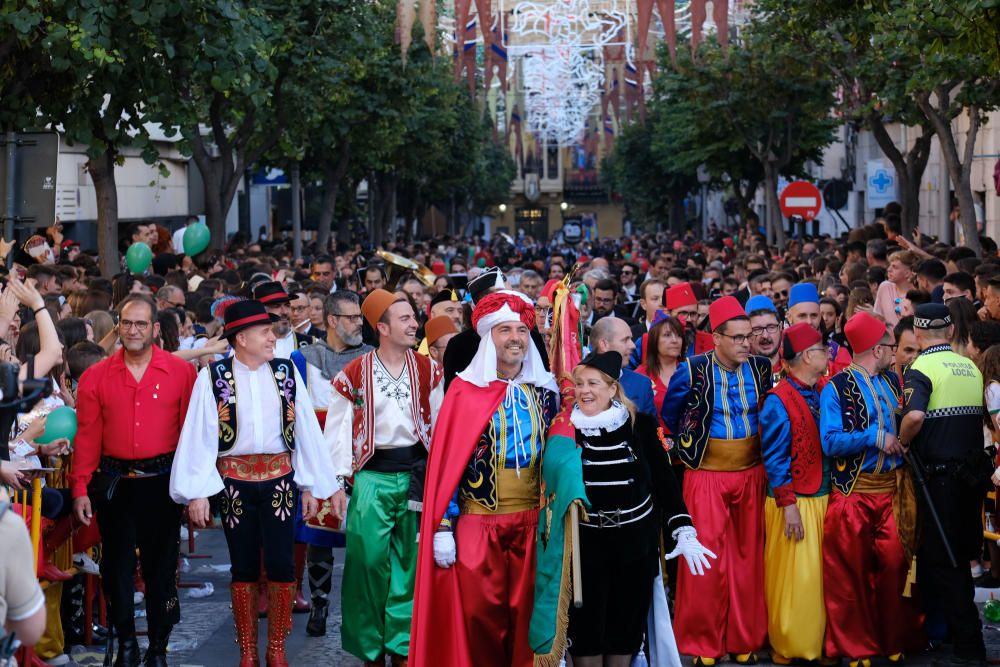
(829, 317)
(664, 351)
(963, 314)
(633, 497)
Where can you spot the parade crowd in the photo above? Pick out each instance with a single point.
(529, 451)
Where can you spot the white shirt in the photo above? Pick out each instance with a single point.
(258, 416)
(320, 389)
(394, 425)
(284, 347)
(178, 240)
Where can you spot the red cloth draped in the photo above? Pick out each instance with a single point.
(438, 634)
(864, 574)
(724, 611)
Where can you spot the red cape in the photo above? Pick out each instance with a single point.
(438, 636)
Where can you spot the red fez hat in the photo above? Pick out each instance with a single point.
(799, 337)
(680, 295)
(724, 309)
(863, 330)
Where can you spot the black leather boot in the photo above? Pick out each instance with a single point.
(128, 653)
(156, 654)
(316, 626)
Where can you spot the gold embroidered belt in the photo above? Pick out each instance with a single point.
(731, 455)
(869, 482)
(255, 467)
(514, 494)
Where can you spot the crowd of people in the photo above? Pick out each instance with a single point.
(791, 449)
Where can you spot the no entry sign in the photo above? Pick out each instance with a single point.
(800, 199)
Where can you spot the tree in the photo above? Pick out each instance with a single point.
(837, 36)
(652, 189)
(762, 100)
(947, 81)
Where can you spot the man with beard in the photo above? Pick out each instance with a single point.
(864, 564)
(712, 406)
(477, 555)
(319, 364)
(765, 330)
(276, 300)
(251, 435)
(130, 409)
(387, 457)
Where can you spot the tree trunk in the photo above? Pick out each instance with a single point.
(910, 164)
(678, 216)
(959, 167)
(333, 173)
(773, 224)
(102, 173)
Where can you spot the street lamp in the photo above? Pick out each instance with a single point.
(502, 208)
(564, 206)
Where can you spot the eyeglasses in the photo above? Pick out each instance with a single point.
(739, 339)
(891, 346)
(770, 328)
(139, 325)
(352, 318)
(781, 293)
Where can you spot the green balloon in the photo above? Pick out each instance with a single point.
(196, 238)
(138, 257)
(61, 423)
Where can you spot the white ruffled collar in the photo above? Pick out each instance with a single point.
(610, 420)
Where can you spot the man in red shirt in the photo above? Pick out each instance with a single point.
(130, 408)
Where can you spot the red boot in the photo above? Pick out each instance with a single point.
(245, 616)
(279, 621)
(302, 605)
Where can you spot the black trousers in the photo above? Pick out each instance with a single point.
(255, 516)
(959, 508)
(140, 514)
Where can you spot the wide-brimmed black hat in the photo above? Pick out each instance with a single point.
(480, 286)
(609, 363)
(270, 293)
(241, 315)
(446, 294)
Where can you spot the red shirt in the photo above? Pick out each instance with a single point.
(119, 417)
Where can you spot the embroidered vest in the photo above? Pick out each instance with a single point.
(224, 390)
(807, 451)
(856, 417)
(696, 419)
(355, 384)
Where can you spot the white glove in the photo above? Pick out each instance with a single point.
(444, 548)
(692, 550)
(996, 477)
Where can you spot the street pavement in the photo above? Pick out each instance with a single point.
(206, 638)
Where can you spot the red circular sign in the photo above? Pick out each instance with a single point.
(801, 199)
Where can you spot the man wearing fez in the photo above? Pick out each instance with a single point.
(798, 491)
(251, 433)
(439, 330)
(712, 407)
(869, 515)
(943, 424)
(378, 426)
(319, 364)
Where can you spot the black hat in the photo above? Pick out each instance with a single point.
(931, 316)
(484, 282)
(447, 294)
(609, 363)
(270, 293)
(240, 315)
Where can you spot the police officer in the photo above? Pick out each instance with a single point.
(943, 426)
